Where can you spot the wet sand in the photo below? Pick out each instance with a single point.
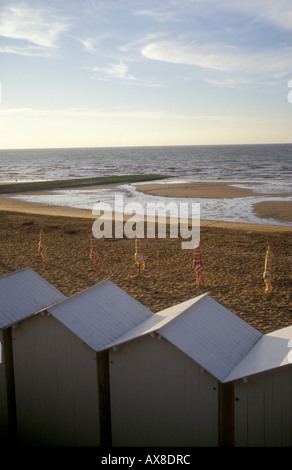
(212, 190)
(274, 210)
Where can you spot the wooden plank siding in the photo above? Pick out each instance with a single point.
(4, 422)
(56, 385)
(161, 397)
(263, 409)
(7, 393)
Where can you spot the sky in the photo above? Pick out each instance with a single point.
(95, 73)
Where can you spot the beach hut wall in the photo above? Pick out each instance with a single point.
(61, 367)
(56, 385)
(167, 376)
(263, 393)
(7, 396)
(23, 293)
(160, 397)
(263, 416)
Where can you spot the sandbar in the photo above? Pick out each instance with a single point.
(274, 210)
(211, 190)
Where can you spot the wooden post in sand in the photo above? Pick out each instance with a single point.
(138, 256)
(267, 272)
(42, 248)
(198, 265)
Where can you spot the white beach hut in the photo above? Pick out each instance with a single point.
(167, 376)
(22, 294)
(99, 368)
(61, 367)
(263, 392)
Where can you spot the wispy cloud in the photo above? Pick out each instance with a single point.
(274, 13)
(38, 27)
(160, 14)
(26, 51)
(141, 41)
(221, 57)
(277, 13)
(118, 71)
(125, 112)
(88, 44)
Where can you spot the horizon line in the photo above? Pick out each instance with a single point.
(146, 146)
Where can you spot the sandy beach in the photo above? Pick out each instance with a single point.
(233, 257)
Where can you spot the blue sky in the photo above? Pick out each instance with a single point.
(120, 73)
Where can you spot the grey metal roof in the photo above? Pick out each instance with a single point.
(211, 335)
(24, 293)
(204, 330)
(273, 350)
(100, 314)
(154, 323)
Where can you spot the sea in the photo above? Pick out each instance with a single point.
(265, 169)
